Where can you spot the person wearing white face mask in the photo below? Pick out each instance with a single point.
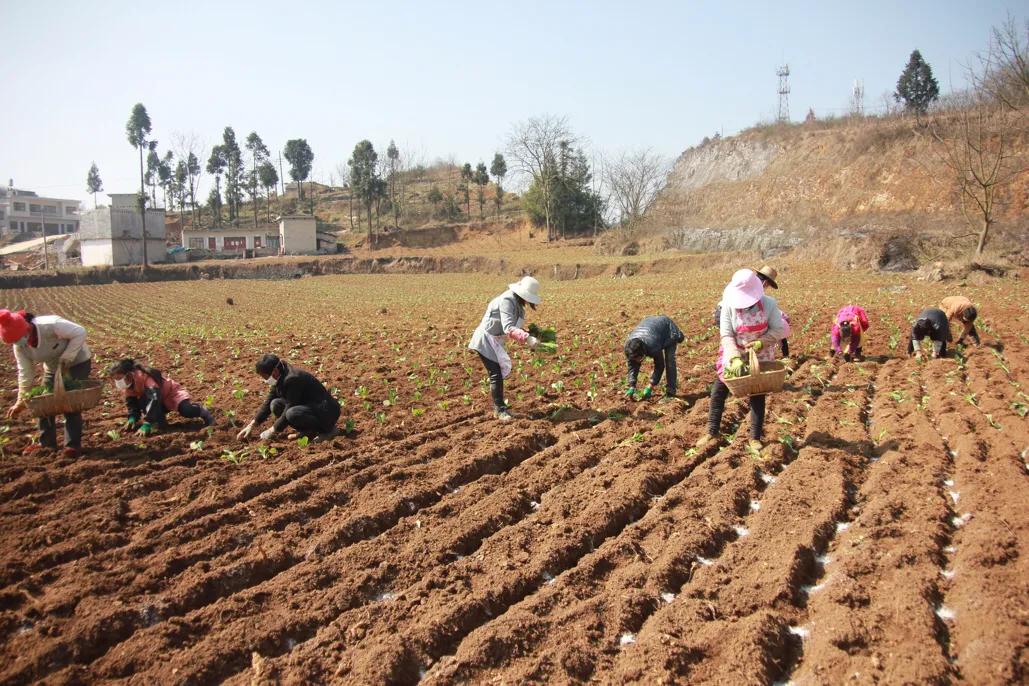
(297, 400)
(150, 396)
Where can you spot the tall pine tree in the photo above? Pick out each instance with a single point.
(916, 87)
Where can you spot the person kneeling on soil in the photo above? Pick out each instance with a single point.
(749, 319)
(150, 396)
(505, 316)
(656, 338)
(851, 321)
(960, 309)
(61, 346)
(932, 324)
(296, 398)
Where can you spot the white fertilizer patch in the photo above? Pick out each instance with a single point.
(767, 478)
(947, 573)
(755, 505)
(741, 531)
(534, 505)
(704, 561)
(948, 482)
(626, 639)
(823, 559)
(842, 526)
(802, 632)
(812, 589)
(945, 613)
(385, 597)
(962, 520)
(667, 597)
(950, 550)
(954, 495)
(548, 578)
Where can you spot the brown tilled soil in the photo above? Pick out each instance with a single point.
(880, 537)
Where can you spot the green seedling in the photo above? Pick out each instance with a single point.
(898, 396)
(417, 411)
(788, 441)
(1020, 408)
(996, 425)
(971, 400)
(196, 446)
(236, 457)
(4, 439)
(303, 441)
(635, 438)
(380, 417)
(113, 435)
(266, 451)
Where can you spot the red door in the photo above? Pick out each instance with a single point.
(211, 244)
(257, 242)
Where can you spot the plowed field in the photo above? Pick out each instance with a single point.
(881, 538)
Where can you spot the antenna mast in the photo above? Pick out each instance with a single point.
(784, 92)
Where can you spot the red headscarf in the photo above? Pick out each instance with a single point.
(13, 326)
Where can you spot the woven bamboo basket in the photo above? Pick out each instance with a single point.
(66, 402)
(764, 377)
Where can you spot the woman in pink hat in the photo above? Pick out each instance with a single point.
(61, 346)
(749, 319)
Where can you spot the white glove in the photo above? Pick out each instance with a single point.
(532, 341)
(245, 433)
(267, 433)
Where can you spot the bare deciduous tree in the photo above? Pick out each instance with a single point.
(980, 153)
(1003, 71)
(633, 181)
(534, 146)
(188, 145)
(343, 171)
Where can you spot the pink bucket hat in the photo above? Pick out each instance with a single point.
(743, 290)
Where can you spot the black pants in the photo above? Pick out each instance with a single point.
(784, 345)
(157, 413)
(496, 382)
(306, 419)
(72, 422)
(719, 393)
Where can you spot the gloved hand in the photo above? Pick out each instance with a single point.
(630, 393)
(647, 392)
(145, 429)
(245, 433)
(130, 424)
(267, 433)
(756, 346)
(532, 342)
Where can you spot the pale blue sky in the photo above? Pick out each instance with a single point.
(441, 78)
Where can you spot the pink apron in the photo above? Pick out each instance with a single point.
(752, 325)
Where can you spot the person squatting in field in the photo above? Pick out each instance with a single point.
(297, 400)
(850, 322)
(505, 316)
(767, 275)
(749, 319)
(932, 324)
(150, 396)
(961, 310)
(61, 346)
(656, 338)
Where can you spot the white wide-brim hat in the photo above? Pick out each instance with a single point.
(528, 289)
(743, 290)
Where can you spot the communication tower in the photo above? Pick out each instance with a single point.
(784, 92)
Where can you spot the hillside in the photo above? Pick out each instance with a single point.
(776, 186)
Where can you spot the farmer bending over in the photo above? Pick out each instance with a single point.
(656, 338)
(150, 396)
(749, 319)
(505, 317)
(932, 324)
(296, 398)
(851, 321)
(61, 346)
(960, 309)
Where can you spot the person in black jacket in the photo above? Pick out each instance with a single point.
(296, 398)
(657, 338)
(932, 324)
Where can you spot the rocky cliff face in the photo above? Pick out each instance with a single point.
(771, 188)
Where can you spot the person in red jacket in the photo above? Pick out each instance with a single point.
(150, 396)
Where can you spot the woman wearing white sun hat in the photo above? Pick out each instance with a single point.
(749, 318)
(505, 316)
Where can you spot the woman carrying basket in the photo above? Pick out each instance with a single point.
(749, 319)
(61, 346)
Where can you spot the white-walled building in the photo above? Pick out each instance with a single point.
(295, 235)
(25, 212)
(113, 236)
